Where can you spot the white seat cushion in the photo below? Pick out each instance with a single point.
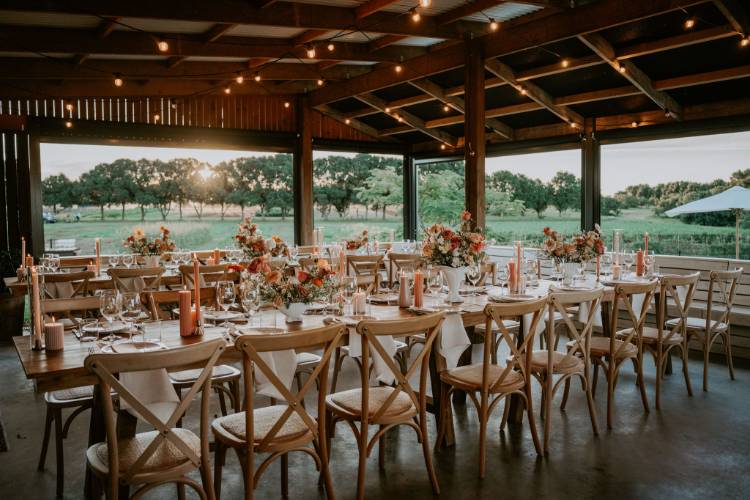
(65, 395)
(699, 323)
(307, 358)
(187, 376)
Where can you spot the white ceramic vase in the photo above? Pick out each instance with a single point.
(569, 270)
(454, 276)
(151, 260)
(294, 311)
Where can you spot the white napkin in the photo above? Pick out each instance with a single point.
(382, 372)
(153, 389)
(453, 339)
(283, 364)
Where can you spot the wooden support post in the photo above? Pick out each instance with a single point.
(410, 198)
(474, 146)
(590, 176)
(303, 175)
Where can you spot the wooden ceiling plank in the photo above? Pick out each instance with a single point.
(676, 42)
(309, 36)
(79, 59)
(371, 7)
(736, 14)
(631, 72)
(534, 92)
(217, 31)
(106, 26)
(385, 41)
(355, 124)
(410, 119)
(175, 61)
(466, 10)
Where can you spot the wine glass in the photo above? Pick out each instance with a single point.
(113, 260)
(130, 310)
(606, 263)
(250, 300)
(128, 259)
(293, 253)
(110, 304)
(628, 259)
(225, 298)
(54, 262)
(434, 282)
(502, 278)
(473, 273)
(349, 285)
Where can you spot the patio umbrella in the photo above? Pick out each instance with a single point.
(735, 199)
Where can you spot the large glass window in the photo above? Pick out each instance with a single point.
(640, 181)
(440, 192)
(200, 195)
(527, 192)
(354, 192)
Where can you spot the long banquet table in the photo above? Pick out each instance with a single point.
(65, 369)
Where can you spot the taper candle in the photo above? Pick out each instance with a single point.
(418, 288)
(98, 250)
(197, 288)
(23, 251)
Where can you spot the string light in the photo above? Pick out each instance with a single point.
(227, 90)
(398, 68)
(68, 124)
(320, 82)
(522, 91)
(69, 107)
(157, 117)
(162, 45)
(331, 47)
(286, 104)
(565, 63)
(239, 79)
(621, 68)
(310, 49)
(634, 124)
(573, 125)
(745, 42)
(494, 25)
(689, 23)
(347, 121)
(442, 146)
(398, 117)
(425, 3)
(415, 16)
(256, 77)
(118, 80)
(446, 108)
(387, 109)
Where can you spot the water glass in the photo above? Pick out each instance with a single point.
(128, 259)
(87, 329)
(152, 331)
(225, 297)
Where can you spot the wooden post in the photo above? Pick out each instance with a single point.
(474, 145)
(303, 175)
(590, 176)
(410, 198)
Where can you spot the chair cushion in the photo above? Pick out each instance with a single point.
(130, 449)
(470, 376)
(351, 401)
(694, 323)
(307, 358)
(560, 364)
(600, 347)
(651, 336)
(263, 421)
(65, 395)
(187, 376)
(509, 324)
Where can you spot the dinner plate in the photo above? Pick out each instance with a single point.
(471, 290)
(257, 330)
(126, 346)
(105, 328)
(433, 309)
(222, 315)
(383, 298)
(512, 298)
(573, 288)
(354, 319)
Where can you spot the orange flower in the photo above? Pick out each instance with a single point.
(273, 277)
(318, 282)
(466, 215)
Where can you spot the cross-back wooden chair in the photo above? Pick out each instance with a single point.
(671, 334)
(281, 428)
(161, 303)
(307, 264)
(79, 399)
(493, 382)
(576, 362)
(168, 453)
(623, 344)
(142, 279)
(67, 285)
(722, 287)
(366, 269)
(209, 275)
(487, 270)
(388, 406)
(406, 261)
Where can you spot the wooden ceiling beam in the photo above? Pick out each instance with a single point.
(371, 7)
(106, 26)
(459, 105)
(631, 72)
(566, 24)
(60, 40)
(309, 36)
(355, 124)
(534, 92)
(468, 9)
(283, 14)
(265, 3)
(384, 41)
(79, 59)
(175, 61)
(736, 13)
(410, 119)
(217, 31)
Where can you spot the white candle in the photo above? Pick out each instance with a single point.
(23, 251)
(392, 235)
(54, 339)
(359, 303)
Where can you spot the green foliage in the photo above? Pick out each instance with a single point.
(383, 188)
(565, 191)
(441, 196)
(59, 191)
(611, 206)
(534, 194)
(502, 204)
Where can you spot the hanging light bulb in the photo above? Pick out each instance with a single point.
(415, 16)
(745, 42)
(398, 117)
(522, 91)
(387, 109)
(565, 63)
(162, 45)
(347, 121)
(227, 90)
(621, 68)
(573, 125)
(446, 108)
(239, 79)
(425, 3)
(331, 47)
(442, 146)
(172, 104)
(256, 77)
(494, 25)
(689, 23)
(286, 104)
(118, 80)
(398, 68)
(634, 124)
(320, 82)
(69, 107)
(68, 124)
(157, 117)
(310, 51)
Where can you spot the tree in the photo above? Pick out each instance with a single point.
(58, 190)
(534, 194)
(441, 196)
(168, 187)
(96, 187)
(243, 174)
(502, 203)
(220, 188)
(382, 189)
(610, 206)
(565, 191)
(198, 192)
(144, 185)
(123, 187)
(184, 169)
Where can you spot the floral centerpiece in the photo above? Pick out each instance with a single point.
(291, 293)
(453, 250)
(277, 247)
(555, 248)
(580, 249)
(250, 240)
(589, 244)
(140, 244)
(358, 241)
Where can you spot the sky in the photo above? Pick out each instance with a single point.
(701, 158)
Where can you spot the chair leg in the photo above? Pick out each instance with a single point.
(445, 417)
(685, 371)
(610, 392)
(532, 419)
(566, 392)
(298, 380)
(641, 381)
(483, 417)
(728, 351)
(325, 472)
(381, 450)
(547, 410)
(180, 491)
(590, 401)
(506, 413)
(706, 349)
(428, 455)
(659, 358)
(222, 401)
(45, 440)
(596, 379)
(59, 458)
(337, 362)
(234, 386)
(284, 462)
(219, 458)
(361, 470)
(206, 480)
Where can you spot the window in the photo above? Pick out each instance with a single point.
(527, 192)
(640, 181)
(200, 195)
(354, 192)
(440, 193)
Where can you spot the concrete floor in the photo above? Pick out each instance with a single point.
(693, 448)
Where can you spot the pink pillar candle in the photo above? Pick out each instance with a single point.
(36, 307)
(342, 263)
(187, 314)
(54, 336)
(217, 256)
(645, 244)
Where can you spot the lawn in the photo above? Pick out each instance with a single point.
(668, 236)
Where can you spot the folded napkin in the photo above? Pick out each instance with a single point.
(382, 372)
(283, 364)
(153, 389)
(453, 339)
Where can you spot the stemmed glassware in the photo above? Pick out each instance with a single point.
(110, 305)
(349, 285)
(502, 278)
(434, 282)
(225, 297)
(628, 259)
(606, 264)
(113, 260)
(293, 253)
(128, 259)
(250, 300)
(131, 310)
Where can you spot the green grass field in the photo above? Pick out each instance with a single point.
(668, 236)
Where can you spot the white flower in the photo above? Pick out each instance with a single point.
(456, 262)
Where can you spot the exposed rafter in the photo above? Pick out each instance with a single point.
(632, 73)
(106, 27)
(736, 13)
(355, 124)
(468, 9)
(372, 6)
(410, 119)
(217, 31)
(385, 41)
